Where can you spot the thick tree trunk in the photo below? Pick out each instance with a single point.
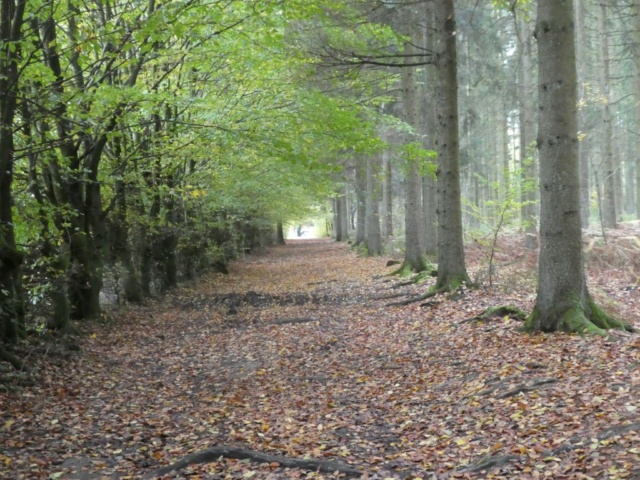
(373, 238)
(451, 265)
(11, 299)
(527, 137)
(563, 301)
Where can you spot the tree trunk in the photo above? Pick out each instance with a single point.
(583, 147)
(527, 137)
(609, 210)
(414, 256)
(341, 218)
(387, 197)
(280, 234)
(563, 301)
(430, 126)
(635, 15)
(337, 224)
(344, 218)
(121, 246)
(373, 238)
(451, 265)
(361, 198)
(11, 299)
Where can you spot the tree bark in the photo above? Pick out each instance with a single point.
(414, 257)
(387, 197)
(527, 137)
(562, 301)
(583, 147)
(451, 264)
(11, 299)
(361, 198)
(280, 234)
(430, 127)
(344, 218)
(373, 238)
(609, 207)
(635, 15)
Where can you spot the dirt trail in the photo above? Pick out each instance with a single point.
(292, 355)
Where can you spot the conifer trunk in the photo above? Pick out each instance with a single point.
(563, 301)
(451, 264)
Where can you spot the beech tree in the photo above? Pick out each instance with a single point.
(563, 301)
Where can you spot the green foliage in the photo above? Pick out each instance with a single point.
(502, 212)
(178, 122)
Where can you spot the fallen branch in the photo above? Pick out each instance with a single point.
(214, 453)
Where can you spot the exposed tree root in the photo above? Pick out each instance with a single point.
(419, 278)
(417, 298)
(391, 295)
(522, 387)
(413, 281)
(498, 312)
(426, 270)
(7, 356)
(587, 319)
(290, 321)
(491, 461)
(403, 271)
(488, 462)
(425, 296)
(214, 453)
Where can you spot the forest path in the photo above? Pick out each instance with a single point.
(293, 354)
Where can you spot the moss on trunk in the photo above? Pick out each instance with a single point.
(422, 265)
(584, 318)
(451, 283)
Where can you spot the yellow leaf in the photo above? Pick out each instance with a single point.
(8, 423)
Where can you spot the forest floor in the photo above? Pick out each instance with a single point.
(298, 354)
